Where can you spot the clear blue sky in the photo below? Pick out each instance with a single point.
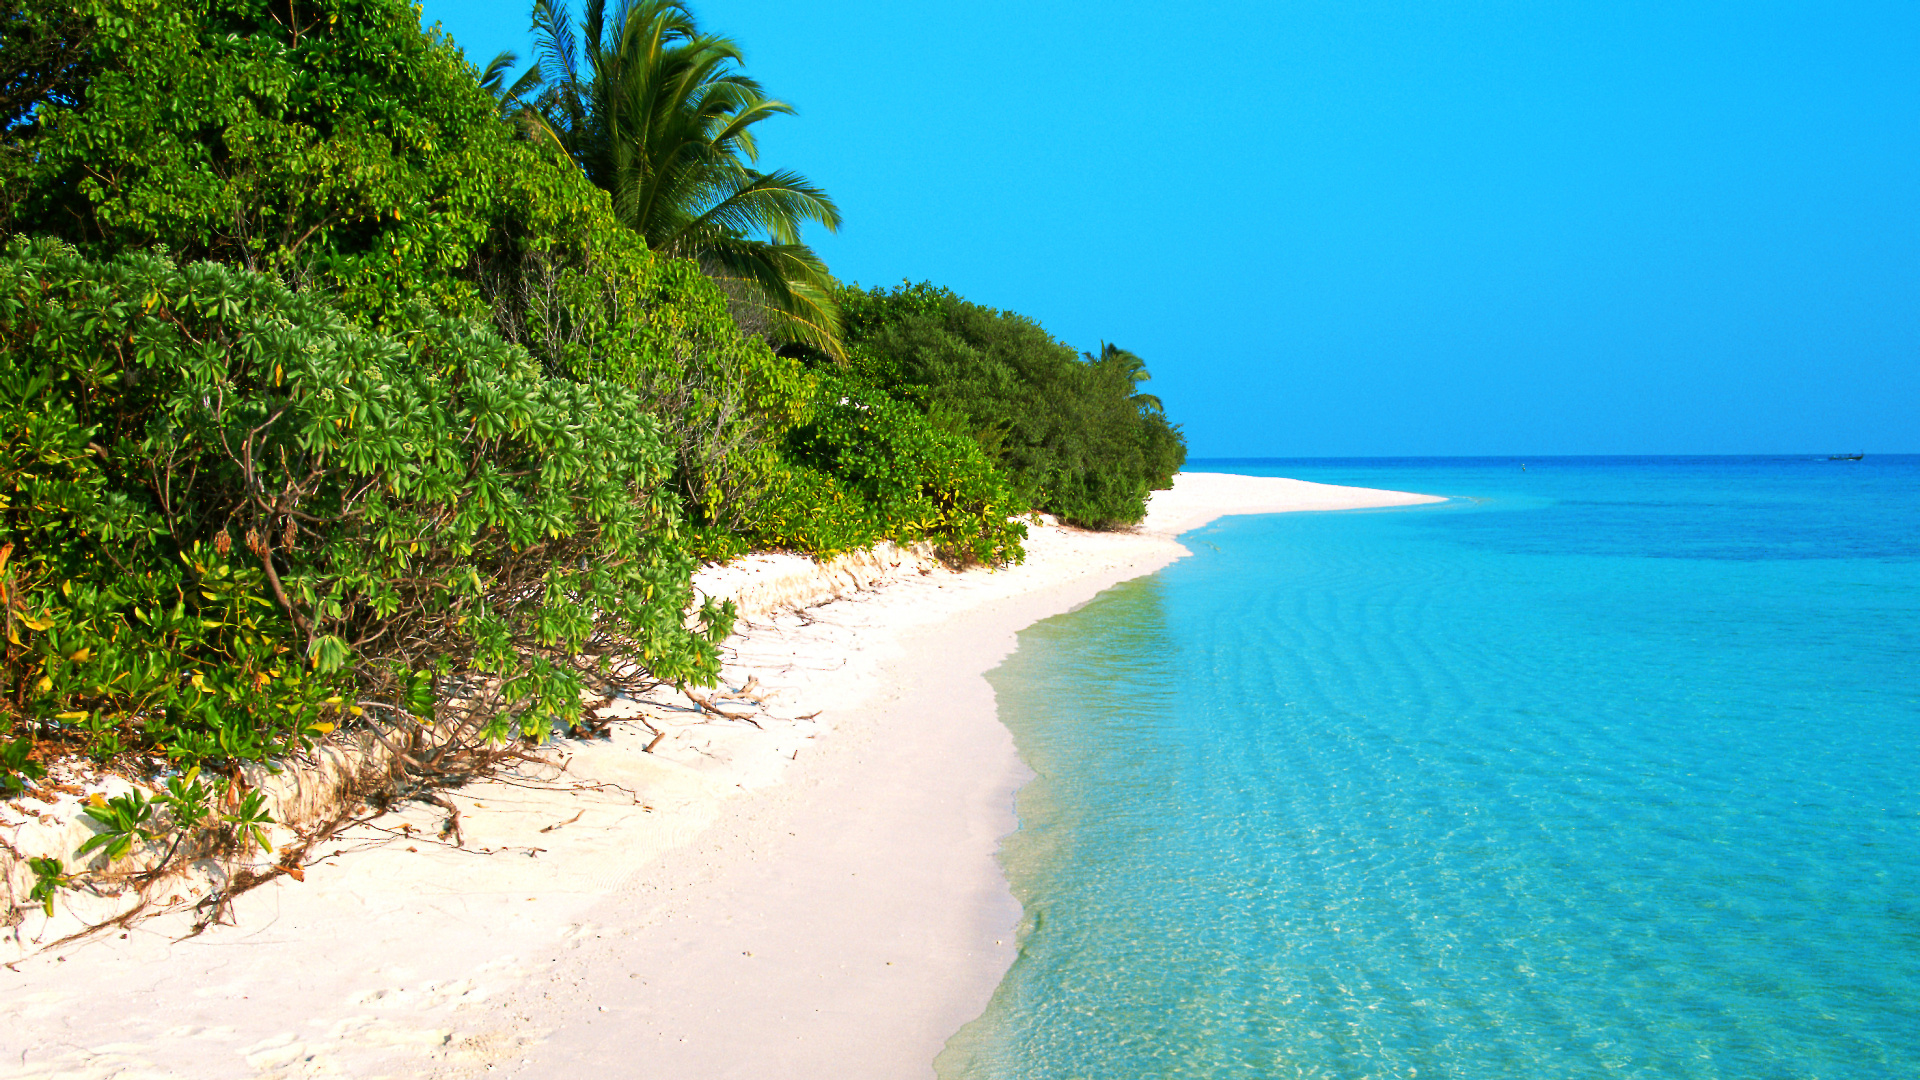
(1341, 227)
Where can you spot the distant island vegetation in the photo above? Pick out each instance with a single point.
(344, 380)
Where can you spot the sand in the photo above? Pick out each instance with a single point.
(811, 892)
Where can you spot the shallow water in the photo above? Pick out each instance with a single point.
(1603, 768)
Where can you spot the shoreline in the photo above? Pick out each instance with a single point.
(810, 892)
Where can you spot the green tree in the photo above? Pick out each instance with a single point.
(43, 57)
(1074, 433)
(337, 146)
(660, 116)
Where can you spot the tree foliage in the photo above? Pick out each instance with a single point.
(43, 58)
(331, 143)
(868, 467)
(338, 146)
(1074, 433)
(236, 519)
(659, 114)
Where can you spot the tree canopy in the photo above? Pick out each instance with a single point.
(1075, 433)
(660, 115)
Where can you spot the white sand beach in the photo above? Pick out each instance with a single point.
(805, 888)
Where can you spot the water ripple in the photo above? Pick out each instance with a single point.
(1423, 795)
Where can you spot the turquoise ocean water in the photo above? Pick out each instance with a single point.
(1606, 768)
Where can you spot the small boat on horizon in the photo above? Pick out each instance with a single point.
(1845, 457)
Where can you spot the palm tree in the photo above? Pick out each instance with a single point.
(1128, 372)
(511, 96)
(659, 115)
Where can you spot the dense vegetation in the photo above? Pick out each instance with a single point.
(659, 115)
(340, 384)
(1073, 435)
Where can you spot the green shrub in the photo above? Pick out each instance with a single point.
(1074, 434)
(868, 467)
(814, 512)
(236, 519)
(724, 400)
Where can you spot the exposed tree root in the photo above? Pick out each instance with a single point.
(422, 759)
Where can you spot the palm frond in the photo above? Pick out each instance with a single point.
(787, 284)
(771, 203)
(660, 115)
(514, 104)
(559, 50)
(494, 75)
